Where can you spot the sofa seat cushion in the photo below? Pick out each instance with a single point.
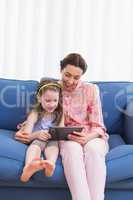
(120, 163)
(126, 184)
(12, 158)
(12, 155)
(115, 140)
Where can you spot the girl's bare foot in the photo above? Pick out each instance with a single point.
(31, 168)
(49, 167)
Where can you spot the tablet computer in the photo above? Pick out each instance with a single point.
(61, 133)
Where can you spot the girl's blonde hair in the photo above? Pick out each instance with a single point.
(49, 84)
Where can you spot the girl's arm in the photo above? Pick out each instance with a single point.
(31, 120)
(24, 134)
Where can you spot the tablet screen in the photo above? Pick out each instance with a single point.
(61, 133)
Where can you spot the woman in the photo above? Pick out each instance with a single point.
(83, 156)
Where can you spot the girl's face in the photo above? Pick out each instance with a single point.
(49, 100)
(71, 76)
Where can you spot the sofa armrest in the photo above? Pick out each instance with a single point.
(128, 127)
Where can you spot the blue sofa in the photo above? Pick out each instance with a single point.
(16, 97)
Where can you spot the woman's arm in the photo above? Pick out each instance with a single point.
(95, 115)
(95, 126)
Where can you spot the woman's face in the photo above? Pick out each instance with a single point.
(71, 76)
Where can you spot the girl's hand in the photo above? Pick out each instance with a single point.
(23, 137)
(82, 137)
(43, 135)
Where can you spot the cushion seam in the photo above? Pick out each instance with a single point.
(120, 157)
(11, 158)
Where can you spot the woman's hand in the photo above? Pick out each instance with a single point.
(82, 137)
(42, 135)
(23, 137)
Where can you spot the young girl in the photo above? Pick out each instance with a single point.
(47, 112)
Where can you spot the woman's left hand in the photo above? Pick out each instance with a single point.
(82, 137)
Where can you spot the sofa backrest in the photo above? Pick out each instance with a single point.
(17, 96)
(114, 98)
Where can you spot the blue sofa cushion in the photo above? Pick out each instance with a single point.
(12, 158)
(114, 99)
(12, 154)
(120, 163)
(16, 96)
(127, 184)
(115, 140)
(129, 123)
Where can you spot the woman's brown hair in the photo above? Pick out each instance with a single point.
(74, 59)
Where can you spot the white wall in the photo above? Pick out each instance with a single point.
(36, 34)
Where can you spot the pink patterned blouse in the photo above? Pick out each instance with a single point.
(82, 107)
